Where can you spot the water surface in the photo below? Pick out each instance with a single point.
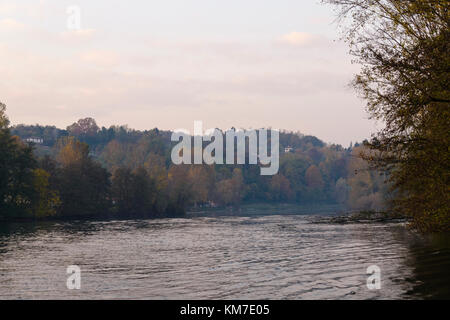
(261, 257)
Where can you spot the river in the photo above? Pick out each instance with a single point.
(258, 257)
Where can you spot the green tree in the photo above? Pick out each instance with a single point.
(83, 184)
(4, 121)
(16, 167)
(143, 193)
(122, 190)
(47, 201)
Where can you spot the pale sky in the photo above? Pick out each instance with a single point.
(164, 64)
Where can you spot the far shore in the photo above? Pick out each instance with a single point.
(326, 213)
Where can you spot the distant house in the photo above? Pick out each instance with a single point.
(288, 149)
(35, 140)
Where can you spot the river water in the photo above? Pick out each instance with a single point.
(261, 257)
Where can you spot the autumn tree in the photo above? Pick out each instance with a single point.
(238, 189)
(179, 190)
(46, 200)
(114, 155)
(86, 127)
(83, 184)
(85, 130)
(70, 150)
(403, 46)
(313, 177)
(224, 192)
(202, 177)
(280, 188)
(155, 165)
(366, 186)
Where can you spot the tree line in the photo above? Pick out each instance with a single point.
(85, 170)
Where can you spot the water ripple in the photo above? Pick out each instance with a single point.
(270, 257)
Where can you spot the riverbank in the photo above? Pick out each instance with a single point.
(263, 209)
(247, 209)
(98, 217)
(365, 217)
(325, 213)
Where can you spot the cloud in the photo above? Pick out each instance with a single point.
(7, 8)
(298, 38)
(78, 34)
(320, 20)
(102, 58)
(31, 9)
(9, 24)
(171, 82)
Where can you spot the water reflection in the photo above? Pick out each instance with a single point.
(271, 257)
(430, 261)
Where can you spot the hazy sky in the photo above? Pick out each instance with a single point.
(164, 64)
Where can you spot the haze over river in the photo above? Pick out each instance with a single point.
(258, 257)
